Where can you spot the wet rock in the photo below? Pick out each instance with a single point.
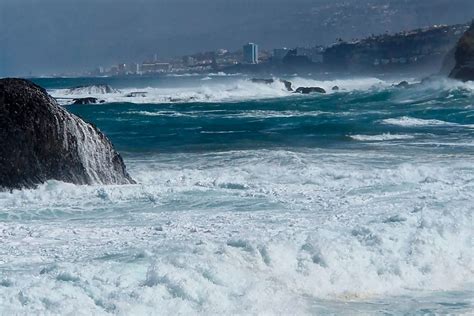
(86, 101)
(42, 141)
(403, 84)
(309, 90)
(335, 88)
(288, 84)
(137, 94)
(464, 56)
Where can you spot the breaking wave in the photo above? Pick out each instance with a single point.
(356, 202)
(232, 91)
(411, 121)
(407, 121)
(381, 137)
(266, 232)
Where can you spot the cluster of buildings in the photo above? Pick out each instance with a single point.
(418, 47)
(209, 61)
(146, 67)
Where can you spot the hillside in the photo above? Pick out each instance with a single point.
(417, 50)
(464, 55)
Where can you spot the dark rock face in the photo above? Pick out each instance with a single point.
(335, 88)
(449, 62)
(41, 141)
(308, 90)
(85, 101)
(288, 85)
(136, 94)
(403, 84)
(464, 55)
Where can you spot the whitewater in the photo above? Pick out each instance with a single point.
(252, 200)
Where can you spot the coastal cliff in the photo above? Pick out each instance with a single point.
(422, 49)
(419, 52)
(42, 141)
(464, 55)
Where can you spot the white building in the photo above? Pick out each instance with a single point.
(251, 53)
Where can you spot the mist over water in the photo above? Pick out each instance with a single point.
(252, 200)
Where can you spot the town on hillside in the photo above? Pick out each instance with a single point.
(411, 51)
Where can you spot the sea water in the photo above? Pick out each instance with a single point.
(254, 200)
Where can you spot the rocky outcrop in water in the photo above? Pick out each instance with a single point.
(92, 89)
(136, 94)
(288, 85)
(41, 141)
(87, 101)
(464, 55)
(403, 84)
(309, 90)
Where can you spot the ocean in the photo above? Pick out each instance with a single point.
(253, 200)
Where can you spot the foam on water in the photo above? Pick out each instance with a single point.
(381, 137)
(235, 90)
(407, 121)
(241, 232)
(246, 114)
(356, 202)
(410, 121)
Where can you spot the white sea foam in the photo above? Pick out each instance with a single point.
(238, 90)
(249, 232)
(246, 114)
(381, 137)
(343, 84)
(216, 91)
(240, 232)
(407, 121)
(91, 90)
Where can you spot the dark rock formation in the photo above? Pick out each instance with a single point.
(85, 101)
(449, 62)
(335, 88)
(308, 90)
(403, 84)
(136, 94)
(92, 89)
(464, 55)
(288, 85)
(41, 141)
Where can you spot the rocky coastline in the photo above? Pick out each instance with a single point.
(42, 141)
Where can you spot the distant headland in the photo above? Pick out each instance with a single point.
(421, 51)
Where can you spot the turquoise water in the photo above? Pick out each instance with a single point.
(254, 200)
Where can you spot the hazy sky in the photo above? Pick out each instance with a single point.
(46, 36)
